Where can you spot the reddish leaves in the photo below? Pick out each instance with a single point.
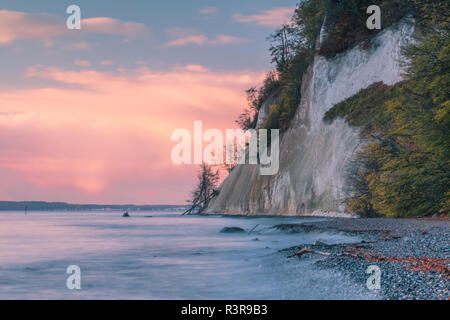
(414, 264)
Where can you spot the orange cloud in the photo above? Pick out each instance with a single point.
(107, 139)
(271, 18)
(16, 25)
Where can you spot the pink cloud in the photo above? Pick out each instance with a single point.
(203, 40)
(198, 39)
(224, 39)
(20, 25)
(192, 68)
(113, 26)
(78, 45)
(82, 63)
(108, 140)
(106, 62)
(16, 25)
(271, 18)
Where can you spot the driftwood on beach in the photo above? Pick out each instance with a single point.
(304, 250)
(423, 264)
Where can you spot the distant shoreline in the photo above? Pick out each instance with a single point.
(63, 206)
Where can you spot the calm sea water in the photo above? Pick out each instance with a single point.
(165, 256)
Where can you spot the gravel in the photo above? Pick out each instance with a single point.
(412, 254)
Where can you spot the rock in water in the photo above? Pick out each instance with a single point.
(232, 230)
(126, 215)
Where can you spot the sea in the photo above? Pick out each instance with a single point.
(164, 255)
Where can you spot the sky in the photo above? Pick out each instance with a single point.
(86, 116)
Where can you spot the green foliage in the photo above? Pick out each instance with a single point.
(404, 169)
(294, 44)
(247, 119)
(292, 51)
(282, 111)
(284, 43)
(345, 25)
(255, 99)
(363, 108)
(308, 18)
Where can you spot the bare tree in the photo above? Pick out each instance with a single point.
(205, 190)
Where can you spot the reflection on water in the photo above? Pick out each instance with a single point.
(165, 256)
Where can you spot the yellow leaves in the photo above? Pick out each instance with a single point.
(396, 109)
(442, 115)
(444, 55)
(392, 106)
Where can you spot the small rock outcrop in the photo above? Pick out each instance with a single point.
(232, 230)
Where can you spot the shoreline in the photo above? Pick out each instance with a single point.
(412, 254)
(315, 214)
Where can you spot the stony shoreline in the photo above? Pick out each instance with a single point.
(413, 254)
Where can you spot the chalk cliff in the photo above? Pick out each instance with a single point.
(314, 155)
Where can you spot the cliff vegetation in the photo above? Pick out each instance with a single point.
(403, 169)
(293, 46)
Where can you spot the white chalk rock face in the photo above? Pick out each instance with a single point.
(314, 155)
